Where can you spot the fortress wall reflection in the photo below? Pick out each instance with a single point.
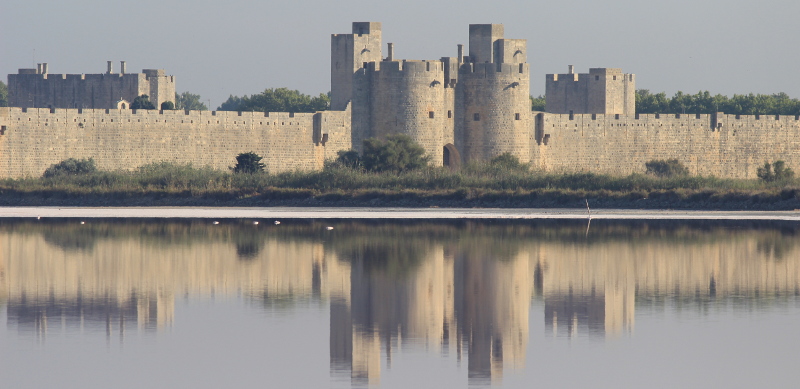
(596, 285)
(466, 291)
(145, 277)
(387, 306)
(492, 305)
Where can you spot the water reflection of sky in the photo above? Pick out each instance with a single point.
(397, 304)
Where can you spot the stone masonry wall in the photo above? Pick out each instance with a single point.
(709, 145)
(33, 139)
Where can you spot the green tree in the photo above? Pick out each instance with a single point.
(167, 106)
(277, 100)
(249, 162)
(398, 153)
(3, 95)
(666, 168)
(71, 166)
(349, 158)
(189, 101)
(705, 103)
(142, 102)
(538, 103)
(508, 161)
(777, 171)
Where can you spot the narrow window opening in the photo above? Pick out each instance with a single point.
(516, 116)
(476, 117)
(449, 114)
(3, 130)
(597, 78)
(430, 114)
(615, 78)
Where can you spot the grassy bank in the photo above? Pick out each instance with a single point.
(474, 186)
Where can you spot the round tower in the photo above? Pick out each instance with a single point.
(408, 97)
(495, 111)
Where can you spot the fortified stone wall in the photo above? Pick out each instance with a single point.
(720, 145)
(33, 139)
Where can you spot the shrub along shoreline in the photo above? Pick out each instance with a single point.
(486, 185)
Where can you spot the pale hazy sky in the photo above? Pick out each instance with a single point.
(218, 48)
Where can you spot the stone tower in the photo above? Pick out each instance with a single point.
(408, 97)
(602, 91)
(36, 88)
(350, 55)
(493, 111)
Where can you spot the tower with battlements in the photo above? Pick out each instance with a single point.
(605, 91)
(37, 88)
(464, 108)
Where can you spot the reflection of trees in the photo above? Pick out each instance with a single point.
(776, 244)
(71, 238)
(359, 238)
(249, 242)
(381, 251)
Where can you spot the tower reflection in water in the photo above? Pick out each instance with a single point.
(462, 290)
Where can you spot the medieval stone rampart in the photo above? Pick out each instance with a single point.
(468, 108)
(33, 139)
(710, 145)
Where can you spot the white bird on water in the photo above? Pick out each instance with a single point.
(215, 222)
(255, 223)
(329, 228)
(277, 222)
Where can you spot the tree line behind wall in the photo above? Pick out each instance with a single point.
(3, 95)
(277, 100)
(706, 103)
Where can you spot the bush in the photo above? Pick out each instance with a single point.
(167, 106)
(775, 172)
(71, 166)
(248, 163)
(508, 161)
(666, 168)
(350, 159)
(398, 153)
(142, 102)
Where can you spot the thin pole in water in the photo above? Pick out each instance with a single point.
(589, 211)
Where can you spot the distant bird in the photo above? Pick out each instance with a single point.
(255, 223)
(329, 228)
(83, 222)
(277, 222)
(38, 217)
(215, 222)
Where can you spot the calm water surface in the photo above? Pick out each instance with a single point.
(192, 304)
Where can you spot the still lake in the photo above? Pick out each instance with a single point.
(186, 303)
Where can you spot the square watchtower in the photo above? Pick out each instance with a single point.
(606, 91)
(349, 53)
